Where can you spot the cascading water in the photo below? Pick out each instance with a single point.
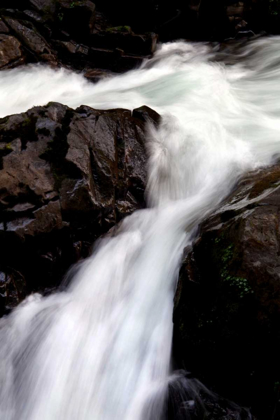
(101, 349)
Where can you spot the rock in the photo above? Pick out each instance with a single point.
(98, 74)
(10, 51)
(77, 17)
(46, 7)
(147, 114)
(73, 54)
(12, 290)
(63, 32)
(188, 398)
(3, 28)
(227, 305)
(140, 14)
(66, 177)
(46, 219)
(34, 42)
(123, 38)
(37, 18)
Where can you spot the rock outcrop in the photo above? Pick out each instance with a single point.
(192, 19)
(227, 305)
(66, 177)
(116, 36)
(69, 33)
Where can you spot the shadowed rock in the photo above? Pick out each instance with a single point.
(10, 51)
(227, 305)
(66, 178)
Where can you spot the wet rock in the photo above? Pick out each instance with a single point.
(66, 177)
(98, 74)
(188, 398)
(3, 28)
(10, 51)
(33, 41)
(44, 6)
(12, 289)
(123, 38)
(46, 219)
(227, 305)
(64, 32)
(147, 114)
(77, 17)
(36, 17)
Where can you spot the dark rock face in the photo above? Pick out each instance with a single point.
(10, 48)
(66, 177)
(188, 399)
(191, 19)
(69, 33)
(227, 305)
(116, 36)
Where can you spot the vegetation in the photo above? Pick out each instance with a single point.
(274, 7)
(239, 283)
(119, 29)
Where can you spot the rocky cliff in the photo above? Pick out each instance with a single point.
(227, 305)
(66, 177)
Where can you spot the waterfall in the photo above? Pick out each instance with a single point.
(101, 349)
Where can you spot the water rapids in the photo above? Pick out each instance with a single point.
(101, 349)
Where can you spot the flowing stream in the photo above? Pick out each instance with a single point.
(101, 349)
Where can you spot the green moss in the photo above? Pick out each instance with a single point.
(26, 122)
(274, 7)
(5, 149)
(239, 284)
(119, 29)
(74, 4)
(8, 146)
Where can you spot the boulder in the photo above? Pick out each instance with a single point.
(46, 7)
(77, 17)
(188, 399)
(3, 28)
(10, 51)
(35, 44)
(63, 32)
(227, 304)
(123, 38)
(66, 177)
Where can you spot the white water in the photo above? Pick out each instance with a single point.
(101, 349)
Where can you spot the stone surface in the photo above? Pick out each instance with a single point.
(66, 177)
(33, 41)
(116, 36)
(227, 305)
(3, 28)
(70, 33)
(77, 17)
(44, 6)
(10, 51)
(189, 399)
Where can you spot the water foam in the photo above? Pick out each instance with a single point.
(101, 349)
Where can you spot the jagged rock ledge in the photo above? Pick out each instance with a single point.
(68, 33)
(66, 177)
